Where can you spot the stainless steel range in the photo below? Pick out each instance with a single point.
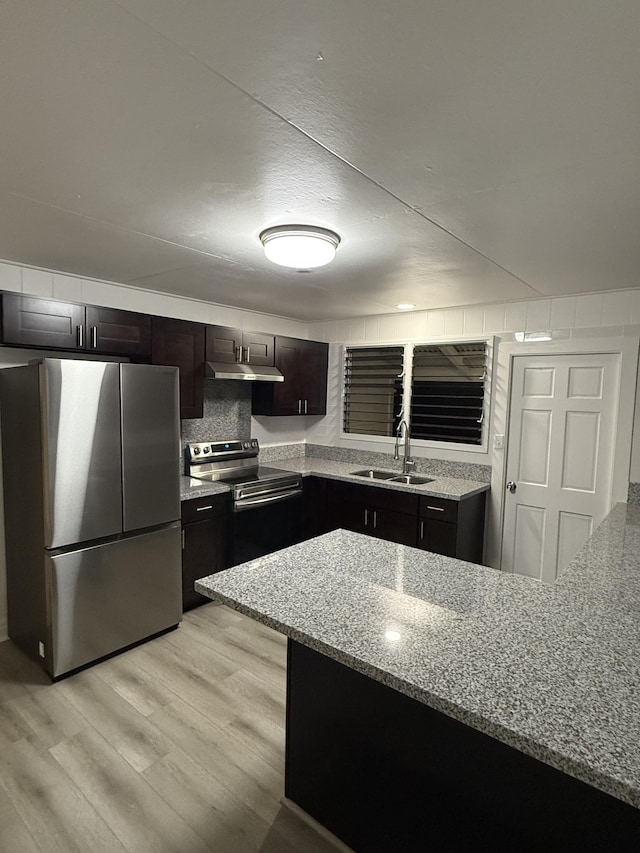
(266, 502)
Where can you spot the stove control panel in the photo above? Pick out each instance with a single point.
(233, 449)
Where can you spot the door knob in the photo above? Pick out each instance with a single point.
(511, 486)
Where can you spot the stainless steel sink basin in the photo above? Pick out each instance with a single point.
(392, 477)
(372, 474)
(412, 479)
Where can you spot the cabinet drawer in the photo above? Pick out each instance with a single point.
(439, 509)
(200, 509)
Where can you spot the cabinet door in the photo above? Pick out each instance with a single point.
(203, 554)
(223, 344)
(315, 520)
(118, 332)
(353, 516)
(438, 536)
(394, 526)
(32, 322)
(258, 348)
(313, 377)
(181, 343)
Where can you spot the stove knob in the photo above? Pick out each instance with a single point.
(196, 451)
(206, 449)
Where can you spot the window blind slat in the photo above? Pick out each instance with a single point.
(447, 392)
(373, 389)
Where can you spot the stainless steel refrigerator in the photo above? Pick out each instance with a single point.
(90, 457)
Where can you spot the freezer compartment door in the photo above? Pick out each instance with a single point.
(81, 450)
(150, 445)
(109, 596)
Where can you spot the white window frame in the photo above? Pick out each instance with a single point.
(482, 449)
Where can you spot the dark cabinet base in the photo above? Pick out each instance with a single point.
(204, 543)
(384, 772)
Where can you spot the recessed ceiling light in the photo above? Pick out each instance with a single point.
(300, 247)
(405, 306)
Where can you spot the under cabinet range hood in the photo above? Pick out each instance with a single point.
(237, 370)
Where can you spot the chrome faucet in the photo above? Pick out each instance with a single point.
(407, 462)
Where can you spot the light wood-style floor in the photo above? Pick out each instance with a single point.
(176, 746)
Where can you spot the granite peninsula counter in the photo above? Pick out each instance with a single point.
(552, 671)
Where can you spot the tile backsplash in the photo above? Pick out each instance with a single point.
(227, 412)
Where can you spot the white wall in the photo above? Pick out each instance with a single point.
(608, 315)
(47, 283)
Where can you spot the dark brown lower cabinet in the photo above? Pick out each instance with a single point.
(204, 543)
(452, 528)
(314, 507)
(383, 513)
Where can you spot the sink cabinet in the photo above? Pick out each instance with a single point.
(204, 543)
(452, 528)
(382, 513)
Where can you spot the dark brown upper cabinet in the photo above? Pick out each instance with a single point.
(227, 345)
(180, 343)
(118, 332)
(33, 322)
(304, 390)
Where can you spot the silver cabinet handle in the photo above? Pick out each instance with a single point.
(248, 355)
(306, 406)
(202, 508)
(436, 508)
(299, 407)
(366, 518)
(183, 538)
(238, 353)
(94, 337)
(511, 486)
(421, 530)
(375, 518)
(79, 335)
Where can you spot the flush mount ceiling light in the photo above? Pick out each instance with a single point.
(300, 247)
(405, 306)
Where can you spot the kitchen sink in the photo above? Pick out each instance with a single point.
(412, 479)
(392, 477)
(371, 474)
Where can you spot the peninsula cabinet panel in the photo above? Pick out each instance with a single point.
(118, 332)
(304, 390)
(31, 322)
(180, 343)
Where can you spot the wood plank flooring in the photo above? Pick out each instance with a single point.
(176, 746)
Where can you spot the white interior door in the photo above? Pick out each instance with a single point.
(562, 426)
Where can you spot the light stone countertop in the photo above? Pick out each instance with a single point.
(453, 488)
(552, 670)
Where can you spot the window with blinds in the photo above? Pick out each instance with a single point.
(373, 390)
(447, 392)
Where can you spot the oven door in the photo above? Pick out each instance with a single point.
(266, 524)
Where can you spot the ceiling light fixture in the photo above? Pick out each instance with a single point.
(405, 306)
(300, 247)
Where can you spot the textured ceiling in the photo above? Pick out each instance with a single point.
(465, 152)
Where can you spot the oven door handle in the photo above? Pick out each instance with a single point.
(250, 503)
